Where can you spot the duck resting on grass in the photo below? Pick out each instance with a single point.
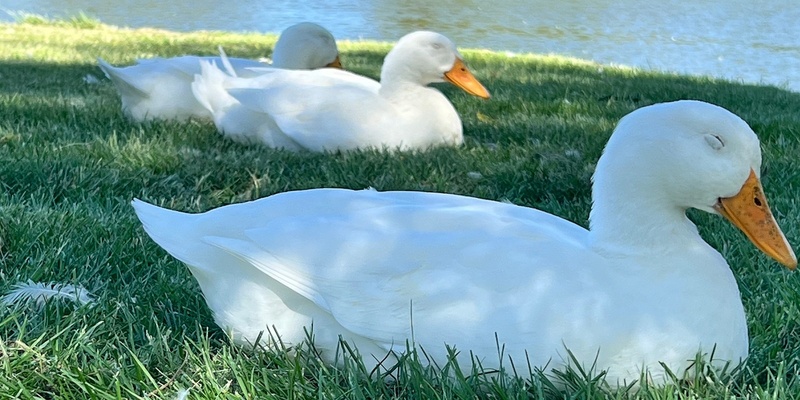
(329, 110)
(160, 88)
(380, 269)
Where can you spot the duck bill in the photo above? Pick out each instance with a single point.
(460, 76)
(749, 211)
(336, 63)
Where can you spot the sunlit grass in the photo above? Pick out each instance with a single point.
(70, 163)
(80, 21)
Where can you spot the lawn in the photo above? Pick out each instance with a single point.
(70, 163)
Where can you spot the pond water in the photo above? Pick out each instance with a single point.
(742, 40)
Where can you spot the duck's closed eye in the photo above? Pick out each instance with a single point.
(715, 141)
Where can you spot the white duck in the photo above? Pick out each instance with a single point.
(638, 288)
(336, 110)
(160, 88)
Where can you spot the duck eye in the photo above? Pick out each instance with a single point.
(715, 141)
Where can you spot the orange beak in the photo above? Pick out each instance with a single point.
(460, 76)
(336, 63)
(749, 211)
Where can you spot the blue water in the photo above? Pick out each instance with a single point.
(749, 41)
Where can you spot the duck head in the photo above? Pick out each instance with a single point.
(306, 46)
(673, 156)
(425, 57)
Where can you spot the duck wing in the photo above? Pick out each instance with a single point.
(320, 110)
(406, 258)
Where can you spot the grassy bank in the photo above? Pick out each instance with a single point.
(70, 163)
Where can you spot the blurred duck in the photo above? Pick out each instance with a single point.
(384, 269)
(328, 110)
(160, 88)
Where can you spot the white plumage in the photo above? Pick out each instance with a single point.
(336, 110)
(641, 287)
(160, 88)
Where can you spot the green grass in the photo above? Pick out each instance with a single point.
(80, 21)
(70, 163)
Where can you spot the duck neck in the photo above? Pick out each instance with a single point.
(397, 77)
(394, 88)
(406, 95)
(626, 216)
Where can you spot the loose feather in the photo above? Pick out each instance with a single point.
(42, 292)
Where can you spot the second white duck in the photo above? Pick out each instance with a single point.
(160, 88)
(327, 110)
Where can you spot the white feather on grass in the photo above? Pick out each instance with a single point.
(182, 394)
(42, 292)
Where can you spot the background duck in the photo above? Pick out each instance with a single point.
(336, 110)
(160, 88)
(640, 287)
